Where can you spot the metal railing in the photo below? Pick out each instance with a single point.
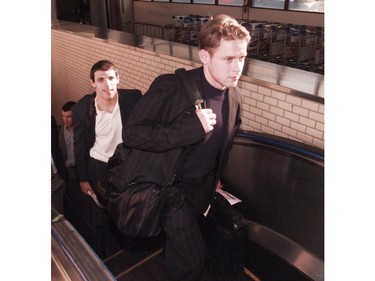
(146, 29)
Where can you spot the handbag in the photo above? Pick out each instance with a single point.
(136, 211)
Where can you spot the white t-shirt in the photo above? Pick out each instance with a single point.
(108, 133)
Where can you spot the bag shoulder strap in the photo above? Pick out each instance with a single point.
(190, 83)
(192, 90)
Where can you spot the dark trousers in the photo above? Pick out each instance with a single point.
(72, 174)
(185, 250)
(89, 219)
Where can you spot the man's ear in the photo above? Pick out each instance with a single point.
(204, 56)
(92, 83)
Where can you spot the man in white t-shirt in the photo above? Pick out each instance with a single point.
(98, 119)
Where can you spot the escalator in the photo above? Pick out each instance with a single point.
(281, 185)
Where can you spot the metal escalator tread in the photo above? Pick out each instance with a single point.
(123, 261)
(152, 268)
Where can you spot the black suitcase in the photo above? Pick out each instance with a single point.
(91, 222)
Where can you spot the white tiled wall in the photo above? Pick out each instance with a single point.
(264, 109)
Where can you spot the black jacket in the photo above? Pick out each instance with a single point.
(84, 114)
(162, 124)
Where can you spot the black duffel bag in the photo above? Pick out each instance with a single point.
(136, 210)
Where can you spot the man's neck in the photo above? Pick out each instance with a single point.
(106, 105)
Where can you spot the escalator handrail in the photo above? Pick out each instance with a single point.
(286, 144)
(291, 252)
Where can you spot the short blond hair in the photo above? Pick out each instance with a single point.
(218, 28)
